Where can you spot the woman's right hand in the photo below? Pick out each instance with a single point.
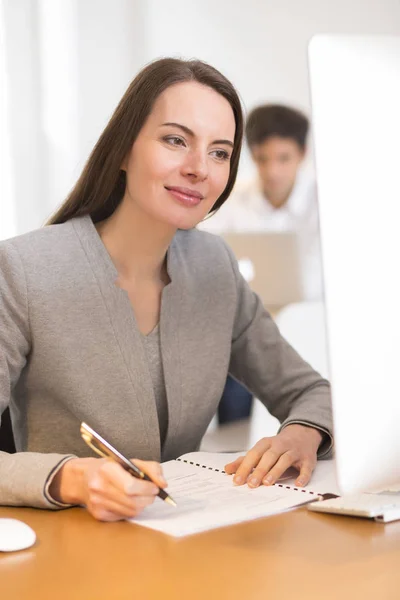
(108, 491)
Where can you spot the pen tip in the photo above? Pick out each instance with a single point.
(170, 501)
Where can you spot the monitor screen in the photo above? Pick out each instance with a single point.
(355, 92)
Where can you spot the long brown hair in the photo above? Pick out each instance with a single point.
(101, 186)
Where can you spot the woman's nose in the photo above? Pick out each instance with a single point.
(195, 166)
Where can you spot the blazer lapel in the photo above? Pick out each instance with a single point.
(170, 346)
(128, 336)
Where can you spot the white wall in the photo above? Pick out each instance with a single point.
(69, 61)
(66, 64)
(20, 95)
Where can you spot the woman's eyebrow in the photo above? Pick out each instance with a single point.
(192, 134)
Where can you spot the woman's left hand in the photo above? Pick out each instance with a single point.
(295, 446)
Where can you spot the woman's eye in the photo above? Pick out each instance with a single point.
(174, 140)
(221, 154)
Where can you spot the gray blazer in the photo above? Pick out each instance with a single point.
(70, 351)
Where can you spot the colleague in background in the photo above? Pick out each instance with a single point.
(120, 313)
(281, 197)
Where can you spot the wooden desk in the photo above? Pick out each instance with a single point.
(297, 555)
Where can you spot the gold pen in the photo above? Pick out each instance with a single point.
(104, 449)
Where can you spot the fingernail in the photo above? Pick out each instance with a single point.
(163, 480)
(254, 482)
(238, 479)
(267, 480)
(300, 482)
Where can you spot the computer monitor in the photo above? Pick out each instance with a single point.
(355, 92)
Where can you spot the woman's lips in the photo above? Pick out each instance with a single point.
(186, 196)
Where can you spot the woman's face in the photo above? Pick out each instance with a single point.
(179, 164)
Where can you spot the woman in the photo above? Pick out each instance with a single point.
(123, 315)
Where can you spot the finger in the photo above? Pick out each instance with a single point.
(306, 470)
(105, 509)
(112, 474)
(274, 473)
(112, 481)
(251, 460)
(233, 466)
(107, 493)
(267, 462)
(153, 469)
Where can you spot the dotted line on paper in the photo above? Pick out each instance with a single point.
(289, 487)
(189, 462)
(281, 485)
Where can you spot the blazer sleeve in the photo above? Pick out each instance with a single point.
(273, 371)
(24, 476)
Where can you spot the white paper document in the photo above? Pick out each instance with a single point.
(207, 498)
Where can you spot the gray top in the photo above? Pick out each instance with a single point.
(152, 348)
(71, 351)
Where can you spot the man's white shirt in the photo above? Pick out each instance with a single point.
(248, 210)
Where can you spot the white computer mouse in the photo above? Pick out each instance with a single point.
(15, 535)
